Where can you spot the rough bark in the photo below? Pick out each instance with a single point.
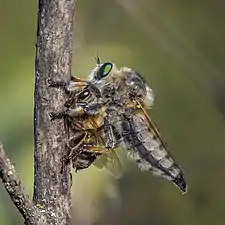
(53, 60)
(13, 186)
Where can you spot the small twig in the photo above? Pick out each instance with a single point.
(12, 183)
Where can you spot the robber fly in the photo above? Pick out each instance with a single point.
(127, 98)
(83, 115)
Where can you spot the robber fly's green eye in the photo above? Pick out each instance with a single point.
(104, 70)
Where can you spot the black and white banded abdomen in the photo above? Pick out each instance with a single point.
(149, 152)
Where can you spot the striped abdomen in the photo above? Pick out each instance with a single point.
(148, 151)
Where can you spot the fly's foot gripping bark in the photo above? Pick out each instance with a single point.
(57, 84)
(56, 116)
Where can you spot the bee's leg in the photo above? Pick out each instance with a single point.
(97, 149)
(72, 147)
(80, 140)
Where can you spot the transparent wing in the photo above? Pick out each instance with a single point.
(100, 161)
(152, 125)
(111, 162)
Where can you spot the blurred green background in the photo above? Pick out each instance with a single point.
(178, 46)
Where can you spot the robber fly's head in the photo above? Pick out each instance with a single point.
(102, 73)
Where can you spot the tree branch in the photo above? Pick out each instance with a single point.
(53, 60)
(12, 183)
(52, 198)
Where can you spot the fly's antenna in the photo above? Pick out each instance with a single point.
(97, 59)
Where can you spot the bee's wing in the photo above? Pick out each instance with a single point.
(100, 161)
(111, 162)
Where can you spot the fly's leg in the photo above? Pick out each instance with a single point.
(74, 143)
(67, 113)
(68, 87)
(108, 134)
(73, 113)
(76, 79)
(61, 84)
(112, 135)
(58, 115)
(57, 84)
(80, 109)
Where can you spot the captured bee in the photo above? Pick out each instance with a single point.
(127, 98)
(83, 115)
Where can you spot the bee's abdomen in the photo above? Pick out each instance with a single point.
(84, 160)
